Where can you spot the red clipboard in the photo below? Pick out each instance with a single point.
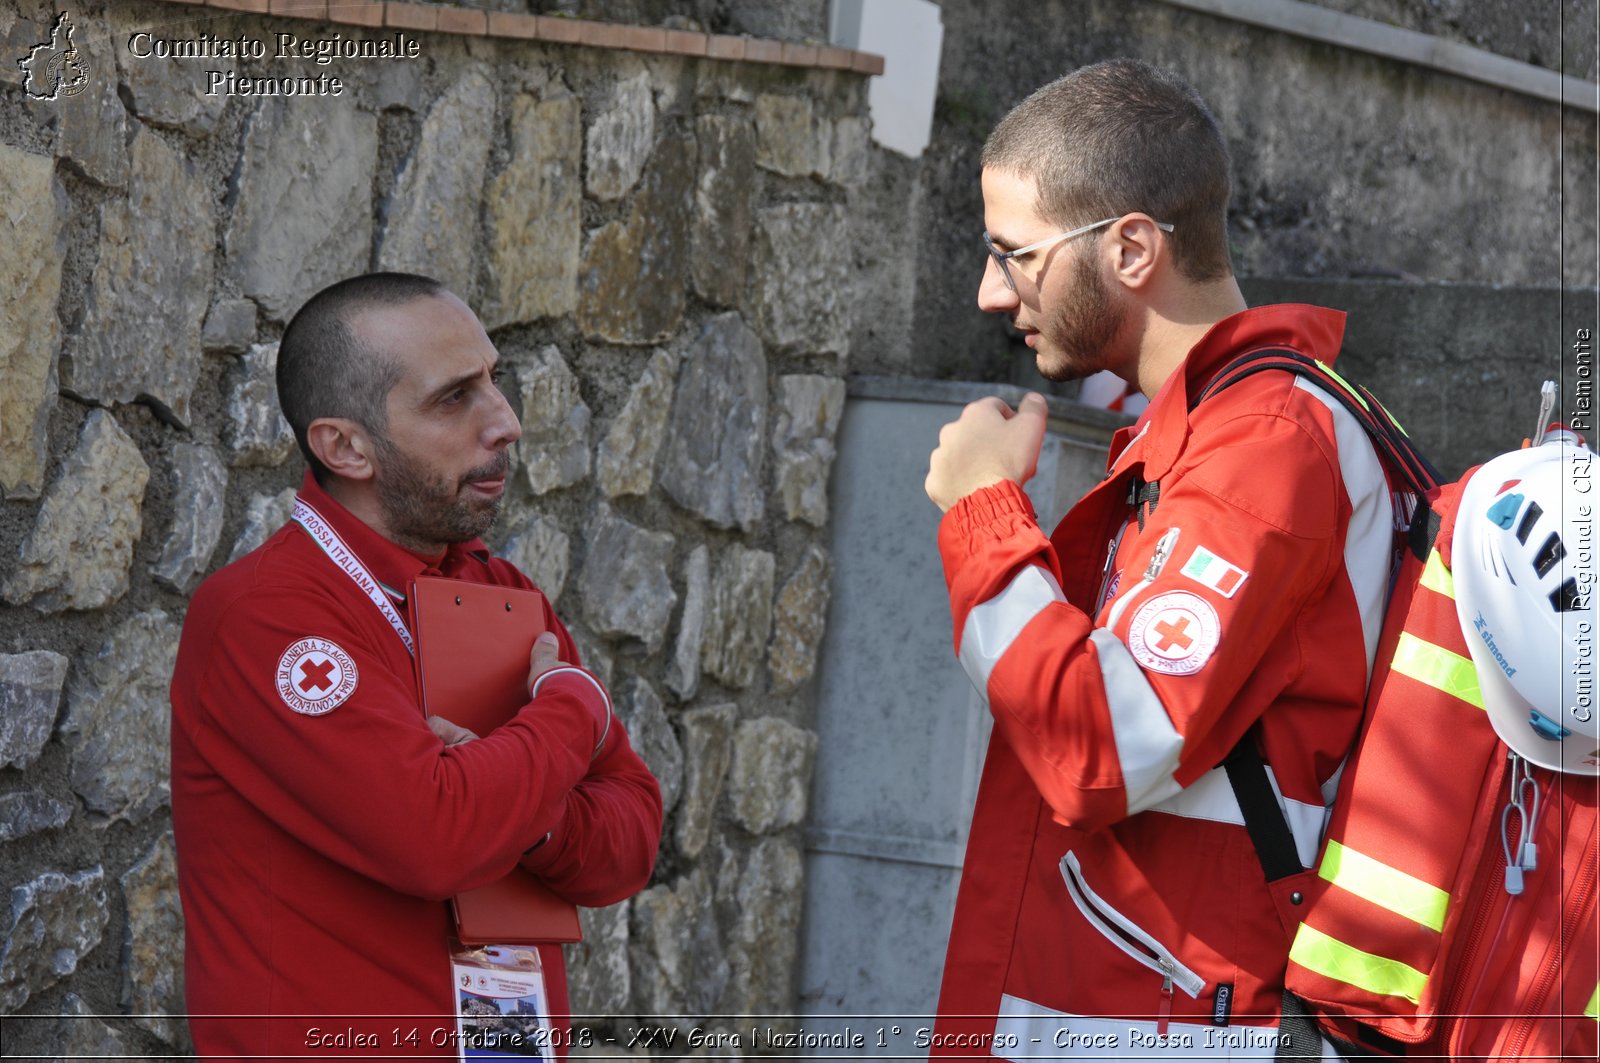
(473, 641)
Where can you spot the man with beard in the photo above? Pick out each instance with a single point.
(321, 820)
(1222, 588)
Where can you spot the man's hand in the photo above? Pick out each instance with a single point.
(450, 734)
(546, 655)
(544, 659)
(988, 443)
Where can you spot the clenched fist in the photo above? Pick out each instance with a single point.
(988, 443)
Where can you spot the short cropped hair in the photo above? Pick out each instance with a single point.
(1122, 136)
(326, 370)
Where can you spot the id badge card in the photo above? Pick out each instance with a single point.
(502, 1009)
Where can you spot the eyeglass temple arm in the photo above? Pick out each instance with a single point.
(1164, 226)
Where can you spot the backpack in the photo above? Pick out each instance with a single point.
(1382, 960)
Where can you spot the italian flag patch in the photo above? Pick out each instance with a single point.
(1209, 570)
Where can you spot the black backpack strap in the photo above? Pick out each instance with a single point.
(1393, 444)
(1299, 1040)
(1143, 496)
(1300, 1037)
(1424, 530)
(1263, 816)
(1411, 467)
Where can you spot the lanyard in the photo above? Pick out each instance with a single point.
(323, 535)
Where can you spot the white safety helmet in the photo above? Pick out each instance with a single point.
(1524, 558)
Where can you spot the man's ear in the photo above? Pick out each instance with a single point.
(343, 446)
(1140, 246)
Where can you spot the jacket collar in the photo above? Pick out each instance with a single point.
(1159, 435)
(392, 565)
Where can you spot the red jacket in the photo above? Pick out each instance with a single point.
(1107, 871)
(316, 845)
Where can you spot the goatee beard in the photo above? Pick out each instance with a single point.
(426, 512)
(1082, 333)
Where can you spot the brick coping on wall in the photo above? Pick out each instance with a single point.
(508, 25)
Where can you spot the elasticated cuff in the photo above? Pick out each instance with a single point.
(575, 681)
(989, 513)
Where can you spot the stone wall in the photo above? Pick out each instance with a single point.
(653, 241)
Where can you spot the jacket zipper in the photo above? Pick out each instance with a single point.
(1132, 939)
(1112, 545)
(1164, 1015)
(1158, 561)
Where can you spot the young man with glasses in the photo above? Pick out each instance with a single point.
(1223, 585)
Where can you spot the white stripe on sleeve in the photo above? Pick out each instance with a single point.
(1147, 743)
(1369, 544)
(994, 625)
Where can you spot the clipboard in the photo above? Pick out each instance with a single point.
(473, 641)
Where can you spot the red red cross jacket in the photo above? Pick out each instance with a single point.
(1110, 902)
(319, 828)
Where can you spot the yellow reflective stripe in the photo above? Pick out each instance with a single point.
(1387, 887)
(1436, 577)
(1343, 383)
(1331, 958)
(1438, 667)
(1390, 418)
(1354, 394)
(1592, 1009)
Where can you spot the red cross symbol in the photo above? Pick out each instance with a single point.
(315, 676)
(1172, 634)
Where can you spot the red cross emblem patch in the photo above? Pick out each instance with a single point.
(1174, 633)
(315, 676)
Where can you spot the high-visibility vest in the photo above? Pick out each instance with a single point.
(1394, 936)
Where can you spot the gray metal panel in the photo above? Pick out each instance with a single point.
(901, 730)
(892, 703)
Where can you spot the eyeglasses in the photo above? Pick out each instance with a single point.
(1001, 257)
